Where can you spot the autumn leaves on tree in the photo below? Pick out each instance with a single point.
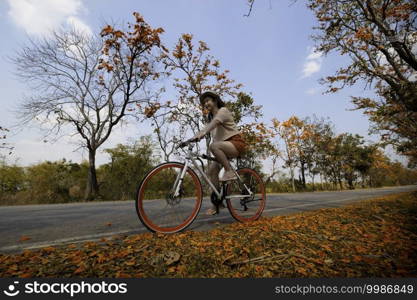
(89, 84)
(380, 39)
(310, 148)
(194, 71)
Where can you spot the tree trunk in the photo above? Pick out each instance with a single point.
(340, 183)
(292, 179)
(312, 181)
(323, 184)
(303, 176)
(91, 190)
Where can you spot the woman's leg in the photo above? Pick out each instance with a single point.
(223, 151)
(213, 173)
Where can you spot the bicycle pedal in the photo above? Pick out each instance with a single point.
(215, 200)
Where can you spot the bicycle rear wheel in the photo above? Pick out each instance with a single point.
(243, 206)
(156, 206)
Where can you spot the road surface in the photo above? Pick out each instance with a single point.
(55, 224)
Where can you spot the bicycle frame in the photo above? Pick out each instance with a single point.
(191, 158)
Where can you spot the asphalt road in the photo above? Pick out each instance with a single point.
(55, 224)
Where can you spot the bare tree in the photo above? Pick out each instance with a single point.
(168, 130)
(77, 82)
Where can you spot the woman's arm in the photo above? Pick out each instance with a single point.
(209, 127)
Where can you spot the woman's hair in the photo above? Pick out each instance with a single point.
(219, 102)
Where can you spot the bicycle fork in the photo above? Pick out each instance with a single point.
(178, 181)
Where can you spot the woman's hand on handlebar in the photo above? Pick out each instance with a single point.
(185, 143)
(200, 135)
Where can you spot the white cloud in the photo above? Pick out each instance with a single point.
(31, 148)
(79, 25)
(313, 63)
(312, 91)
(34, 150)
(311, 67)
(38, 17)
(314, 55)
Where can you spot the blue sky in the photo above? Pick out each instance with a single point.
(270, 53)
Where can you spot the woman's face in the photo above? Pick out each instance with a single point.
(209, 104)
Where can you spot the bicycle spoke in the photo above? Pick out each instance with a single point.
(246, 199)
(157, 207)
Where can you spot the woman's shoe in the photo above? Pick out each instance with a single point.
(211, 211)
(229, 175)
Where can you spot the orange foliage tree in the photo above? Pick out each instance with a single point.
(89, 84)
(287, 132)
(129, 58)
(300, 146)
(379, 37)
(194, 70)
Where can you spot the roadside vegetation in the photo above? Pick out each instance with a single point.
(372, 238)
(352, 165)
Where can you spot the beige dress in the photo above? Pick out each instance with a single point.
(228, 131)
(227, 127)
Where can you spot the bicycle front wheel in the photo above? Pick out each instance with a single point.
(245, 206)
(157, 206)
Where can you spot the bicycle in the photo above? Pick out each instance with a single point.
(174, 209)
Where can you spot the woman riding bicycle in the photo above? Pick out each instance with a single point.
(227, 140)
(170, 195)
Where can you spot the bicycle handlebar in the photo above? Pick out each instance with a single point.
(204, 156)
(187, 142)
